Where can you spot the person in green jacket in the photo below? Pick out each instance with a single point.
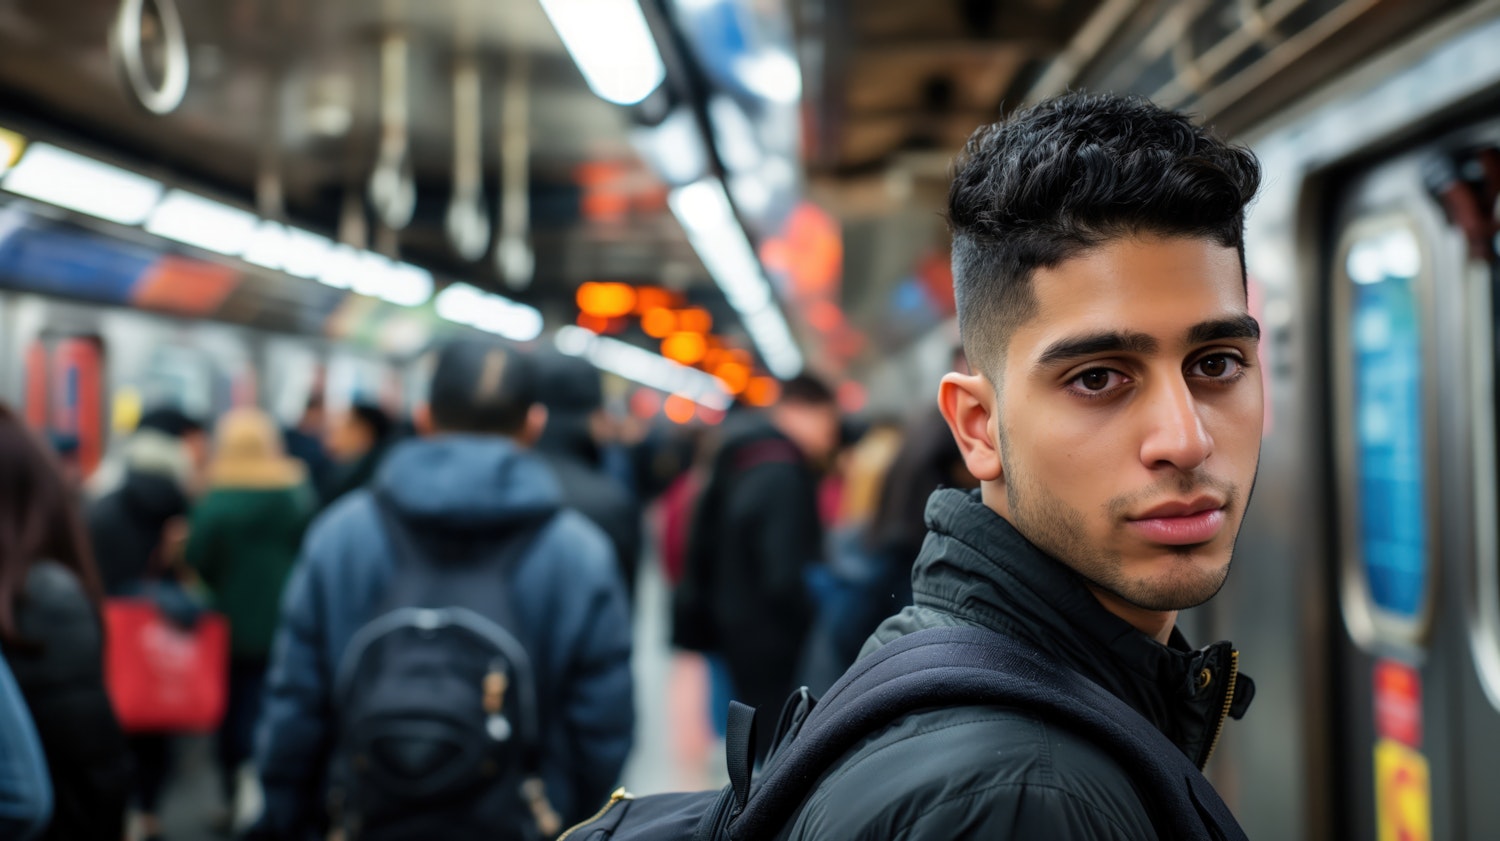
(244, 538)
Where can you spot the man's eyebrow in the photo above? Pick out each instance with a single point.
(1089, 344)
(1235, 327)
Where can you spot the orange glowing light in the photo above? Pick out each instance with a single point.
(695, 320)
(593, 323)
(653, 297)
(645, 403)
(736, 377)
(606, 300)
(679, 409)
(762, 391)
(659, 322)
(824, 316)
(687, 348)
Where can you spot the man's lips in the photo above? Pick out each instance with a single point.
(1181, 523)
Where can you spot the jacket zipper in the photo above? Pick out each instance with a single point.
(1234, 674)
(620, 794)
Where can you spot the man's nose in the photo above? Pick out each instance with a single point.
(1175, 433)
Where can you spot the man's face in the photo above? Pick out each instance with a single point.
(1128, 418)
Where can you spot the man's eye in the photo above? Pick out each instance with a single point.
(1219, 366)
(1098, 379)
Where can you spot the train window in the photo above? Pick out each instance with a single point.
(1382, 433)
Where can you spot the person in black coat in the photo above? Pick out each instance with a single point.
(1113, 421)
(130, 529)
(571, 444)
(755, 532)
(51, 634)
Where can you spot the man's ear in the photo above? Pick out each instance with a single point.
(536, 421)
(421, 418)
(967, 402)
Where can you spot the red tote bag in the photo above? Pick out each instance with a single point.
(162, 678)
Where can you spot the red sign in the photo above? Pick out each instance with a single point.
(1398, 702)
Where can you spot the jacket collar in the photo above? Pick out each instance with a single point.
(976, 566)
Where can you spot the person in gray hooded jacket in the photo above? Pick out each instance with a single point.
(467, 478)
(1114, 422)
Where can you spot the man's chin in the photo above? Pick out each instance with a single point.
(1187, 582)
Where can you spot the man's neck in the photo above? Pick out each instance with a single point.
(1156, 624)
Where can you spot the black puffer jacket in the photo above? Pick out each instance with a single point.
(62, 678)
(1002, 773)
(125, 527)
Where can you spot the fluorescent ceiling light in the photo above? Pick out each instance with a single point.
(407, 285)
(203, 223)
(674, 147)
(341, 267)
(734, 134)
(704, 211)
(68, 180)
(464, 304)
(773, 337)
(642, 366)
(612, 45)
(771, 73)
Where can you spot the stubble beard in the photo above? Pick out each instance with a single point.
(1061, 531)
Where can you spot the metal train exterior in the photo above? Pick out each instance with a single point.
(1365, 597)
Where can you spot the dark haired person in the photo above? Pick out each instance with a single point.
(755, 532)
(1113, 419)
(52, 636)
(469, 481)
(573, 445)
(356, 443)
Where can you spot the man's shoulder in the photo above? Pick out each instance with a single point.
(981, 767)
(574, 541)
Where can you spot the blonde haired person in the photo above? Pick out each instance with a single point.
(244, 538)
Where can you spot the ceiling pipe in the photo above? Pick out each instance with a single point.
(513, 254)
(1087, 44)
(468, 222)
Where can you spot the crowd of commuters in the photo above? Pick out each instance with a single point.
(430, 634)
(286, 533)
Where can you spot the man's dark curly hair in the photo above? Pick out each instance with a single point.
(1070, 174)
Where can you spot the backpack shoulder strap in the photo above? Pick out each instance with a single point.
(968, 666)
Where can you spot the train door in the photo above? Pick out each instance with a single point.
(1417, 742)
(63, 397)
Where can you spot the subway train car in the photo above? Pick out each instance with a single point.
(1365, 590)
(84, 372)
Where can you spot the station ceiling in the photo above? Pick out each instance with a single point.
(283, 113)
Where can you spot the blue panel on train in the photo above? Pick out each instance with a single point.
(1388, 412)
(75, 264)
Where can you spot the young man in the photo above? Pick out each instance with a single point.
(1114, 423)
(470, 485)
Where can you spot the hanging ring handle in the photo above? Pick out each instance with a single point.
(129, 58)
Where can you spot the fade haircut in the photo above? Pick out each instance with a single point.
(1070, 174)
